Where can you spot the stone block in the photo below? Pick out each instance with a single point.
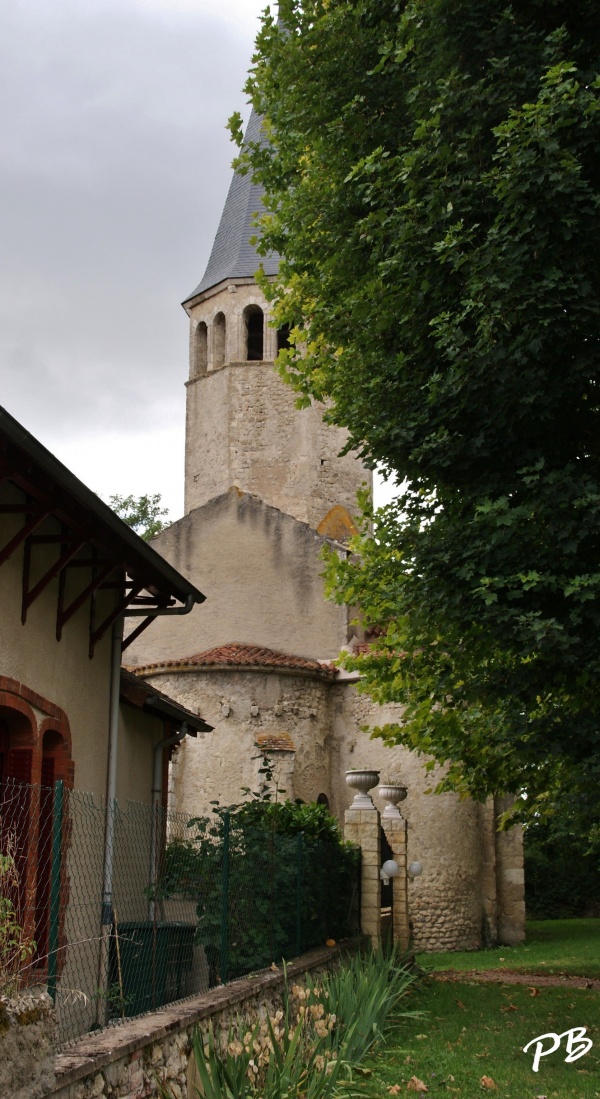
(156, 1055)
(97, 1088)
(515, 876)
(369, 845)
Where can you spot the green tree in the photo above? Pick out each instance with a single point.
(433, 184)
(143, 513)
(562, 878)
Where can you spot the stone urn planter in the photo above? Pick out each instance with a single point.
(363, 781)
(393, 795)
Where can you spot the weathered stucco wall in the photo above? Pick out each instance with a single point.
(244, 429)
(138, 734)
(244, 706)
(261, 573)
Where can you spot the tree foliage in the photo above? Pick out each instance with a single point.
(562, 879)
(143, 513)
(433, 184)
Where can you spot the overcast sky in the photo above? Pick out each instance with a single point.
(114, 167)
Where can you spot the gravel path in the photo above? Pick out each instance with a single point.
(512, 977)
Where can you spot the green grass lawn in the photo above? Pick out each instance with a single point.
(473, 1031)
(552, 946)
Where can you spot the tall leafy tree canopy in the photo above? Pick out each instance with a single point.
(143, 513)
(433, 184)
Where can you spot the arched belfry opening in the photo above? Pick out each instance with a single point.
(200, 360)
(255, 333)
(283, 337)
(219, 334)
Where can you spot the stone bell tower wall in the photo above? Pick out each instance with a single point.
(243, 427)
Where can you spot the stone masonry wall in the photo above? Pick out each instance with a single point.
(133, 1060)
(510, 878)
(444, 833)
(27, 1044)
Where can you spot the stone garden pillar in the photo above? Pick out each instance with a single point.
(361, 826)
(395, 828)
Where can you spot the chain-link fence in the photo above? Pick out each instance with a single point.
(121, 909)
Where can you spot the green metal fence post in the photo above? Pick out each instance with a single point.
(299, 893)
(57, 822)
(224, 960)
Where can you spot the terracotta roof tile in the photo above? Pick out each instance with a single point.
(240, 655)
(275, 742)
(368, 644)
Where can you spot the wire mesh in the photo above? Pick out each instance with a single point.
(120, 909)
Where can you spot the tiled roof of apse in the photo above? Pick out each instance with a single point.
(239, 655)
(232, 254)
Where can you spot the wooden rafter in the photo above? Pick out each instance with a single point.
(36, 518)
(29, 596)
(98, 633)
(86, 535)
(131, 637)
(63, 616)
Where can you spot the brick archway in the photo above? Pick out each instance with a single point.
(35, 752)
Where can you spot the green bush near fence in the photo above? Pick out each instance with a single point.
(271, 879)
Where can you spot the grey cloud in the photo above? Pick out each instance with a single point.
(113, 170)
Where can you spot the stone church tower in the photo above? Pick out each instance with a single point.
(265, 491)
(243, 428)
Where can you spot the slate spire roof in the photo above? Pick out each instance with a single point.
(232, 254)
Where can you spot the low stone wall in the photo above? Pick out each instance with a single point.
(27, 1045)
(130, 1061)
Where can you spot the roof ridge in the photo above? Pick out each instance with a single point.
(240, 654)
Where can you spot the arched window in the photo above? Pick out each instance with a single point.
(283, 337)
(16, 823)
(200, 352)
(32, 760)
(218, 349)
(53, 755)
(323, 800)
(255, 326)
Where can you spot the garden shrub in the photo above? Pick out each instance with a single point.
(16, 946)
(271, 879)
